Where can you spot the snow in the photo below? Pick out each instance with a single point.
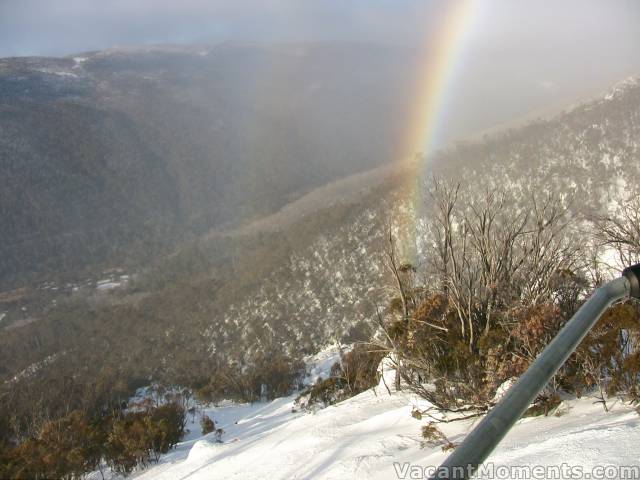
(57, 72)
(373, 435)
(620, 87)
(503, 389)
(107, 285)
(34, 367)
(2, 316)
(111, 283)
(584, 437)
(609, 259)
(319, 365)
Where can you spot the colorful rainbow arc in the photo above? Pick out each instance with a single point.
(435, 78)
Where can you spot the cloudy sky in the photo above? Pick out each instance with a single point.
(518, 56)
(58, 27)
(49, 27)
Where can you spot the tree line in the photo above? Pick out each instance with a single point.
(79, 443)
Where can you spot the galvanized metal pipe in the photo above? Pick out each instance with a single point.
(474, 450)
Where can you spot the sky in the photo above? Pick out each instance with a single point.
(517, 56)
(60, 27)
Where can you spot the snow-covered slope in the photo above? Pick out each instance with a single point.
(373, 435)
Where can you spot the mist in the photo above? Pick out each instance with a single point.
(41, 27)
(518, 57)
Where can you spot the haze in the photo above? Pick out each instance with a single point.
(44, 27)
(518, 56)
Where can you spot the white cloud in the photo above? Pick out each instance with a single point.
(547, 85)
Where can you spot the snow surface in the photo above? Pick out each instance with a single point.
(111, 283)
(57, 72)
(107, 285)
(363, 436)
(374, 436)
(319, 365)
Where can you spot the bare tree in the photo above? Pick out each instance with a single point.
(488, 252)
(402, 273)
(620, 231)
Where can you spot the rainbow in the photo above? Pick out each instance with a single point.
(443, 55)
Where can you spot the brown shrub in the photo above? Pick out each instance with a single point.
(65, 448)
(207, 424)
(136, 438)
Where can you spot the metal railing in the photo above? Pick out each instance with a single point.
(477, 446)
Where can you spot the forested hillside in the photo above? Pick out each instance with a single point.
(112, 157)
(229, 312)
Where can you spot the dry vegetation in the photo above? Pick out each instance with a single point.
(509, 257)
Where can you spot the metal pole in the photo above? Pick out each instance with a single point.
(466, 459)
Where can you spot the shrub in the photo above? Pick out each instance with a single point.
(510, 353)
(24, 461)
(127, 444)
(326, 392)
(356, 371)
(358, 368)
(433, 437)
(170, 421)
(436, 353)
(72, 445)
(136, 438)
(609, 357)
(207, 424)
(65, 448)
(543, 405)
(279, 372)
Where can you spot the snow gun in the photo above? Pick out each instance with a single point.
(474, 450)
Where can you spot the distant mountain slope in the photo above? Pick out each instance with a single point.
(236, 295)
(114, 155)
(326, 285)
(589, 155)
(109, 158)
